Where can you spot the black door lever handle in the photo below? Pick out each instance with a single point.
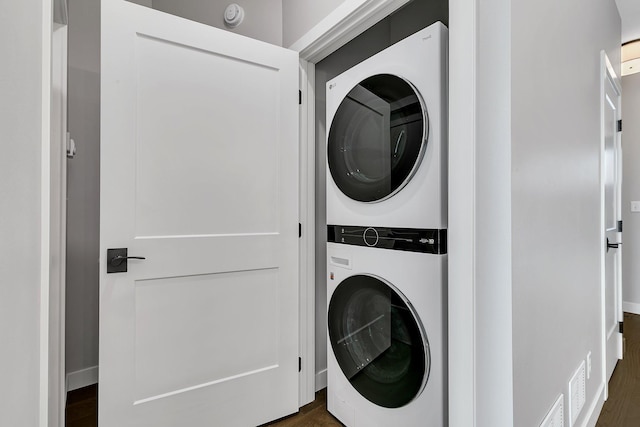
(612, 245)
(117, 260)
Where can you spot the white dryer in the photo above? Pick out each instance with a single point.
(387, 347)
(386, 144)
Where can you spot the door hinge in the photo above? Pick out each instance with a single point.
(299, 230)
(619, 226)
(621, 327)
(299, 97)
(619, 125)
(299, 364)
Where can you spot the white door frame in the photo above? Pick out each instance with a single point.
(45, 219)
(58, 224)
(342, 25)
(608, 72)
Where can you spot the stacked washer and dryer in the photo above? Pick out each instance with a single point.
(387, 239)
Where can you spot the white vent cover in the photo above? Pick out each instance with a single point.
(555, 417)
(577, 393)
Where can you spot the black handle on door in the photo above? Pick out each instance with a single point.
(612, 245)
(117, 260)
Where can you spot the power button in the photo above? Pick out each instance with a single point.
(370, 236)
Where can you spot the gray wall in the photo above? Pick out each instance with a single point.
(631, 191)
(83, 185)
(299, 16)
(148, 3)
(411, 18)
(556, 196)
(20, 120)
(262, 20)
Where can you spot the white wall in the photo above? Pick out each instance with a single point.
(490, 234)
(299, 16)
(630, 9)
(21, 115)
(262, 21)
(630, 191)
(83, 186)
(555, 49)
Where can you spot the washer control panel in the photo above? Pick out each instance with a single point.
(432, 241)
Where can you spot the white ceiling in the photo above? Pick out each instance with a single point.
(630, 13)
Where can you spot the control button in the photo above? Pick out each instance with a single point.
(370, 236)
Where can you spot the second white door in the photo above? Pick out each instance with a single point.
(611, 174)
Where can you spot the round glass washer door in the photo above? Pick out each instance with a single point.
(378, 341)
(377, 138)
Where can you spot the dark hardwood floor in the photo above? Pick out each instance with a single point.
(82, 407)
(312, 415)
(621, 410)
(82, 411)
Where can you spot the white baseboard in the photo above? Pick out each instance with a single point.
(595, 408)
(82, 378)
(631, 307)
(321, 380)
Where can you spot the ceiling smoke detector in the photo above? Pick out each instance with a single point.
(233, 15)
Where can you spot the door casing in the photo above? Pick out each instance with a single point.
(342, 25)
(58, 231)
(608, 73)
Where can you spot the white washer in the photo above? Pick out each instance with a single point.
(386, 144)
(387, 357)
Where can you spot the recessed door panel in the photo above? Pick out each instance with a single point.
(202, 158)
(186, 328)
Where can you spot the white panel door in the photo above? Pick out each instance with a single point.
(611, 161)
(199, 175)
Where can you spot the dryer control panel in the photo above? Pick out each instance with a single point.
(432, 241)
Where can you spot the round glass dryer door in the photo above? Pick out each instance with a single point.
(378, 341)
(377, 138)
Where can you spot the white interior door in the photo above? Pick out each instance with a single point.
(199, 175)
(611, 163)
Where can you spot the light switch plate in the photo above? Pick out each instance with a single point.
(635, 206)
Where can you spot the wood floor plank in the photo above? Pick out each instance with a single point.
(314, 414)
(622, 409)
(82, 411)
(82, 407)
